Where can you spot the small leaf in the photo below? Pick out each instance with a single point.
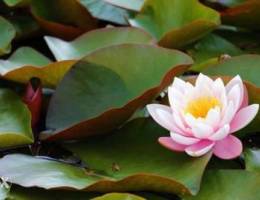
(105, 11)
(103, 90)
(15, 121)
(172, 25)
(229, 185)
(7, 34)
(134, 5)
(252, 160)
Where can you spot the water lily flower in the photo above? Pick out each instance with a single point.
(204, 116)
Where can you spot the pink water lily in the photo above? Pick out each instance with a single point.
(203, 117)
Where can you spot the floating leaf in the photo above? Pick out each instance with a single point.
(229, 185)
(176, 23)
(243, 15)
(7, 34)
(134, 5)
(93, 40)
(105, 11)
(15, 121)
(126, 156)
(106, 87)
(67, 19)
(212, 46)
(14, 3)
(252, 160)
(27, 63)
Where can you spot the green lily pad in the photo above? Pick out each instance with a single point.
(16, 3)
(93, 40)
(134, 5)
(252, 160)
(172, 25)
(212, 46)
(133, 154)
(106, 87)
(229, 185)
(247, 66)
(105, 11)
(7, 34)
(15, 121)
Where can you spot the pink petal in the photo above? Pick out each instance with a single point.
(235, 96)
(221, 133)
(199, 148)
(183, 139)
(168, 143)
(243, 117)
(228, 148)
(245, 98)
(163, 116)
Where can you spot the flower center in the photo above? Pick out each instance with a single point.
(199, 107)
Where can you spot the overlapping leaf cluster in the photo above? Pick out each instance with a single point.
(76, 76)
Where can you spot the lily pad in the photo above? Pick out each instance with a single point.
(7, 34)
(229, 185)
(27, 63)
(176, 23)
(105, 11)
(93, 40)
(106, 87)
(15, 121)
(53, 17)
(133, 154)
(252, 160)
(134, 5)
(212, 46)
(243, 15)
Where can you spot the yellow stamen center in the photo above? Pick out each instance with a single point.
(199, 107)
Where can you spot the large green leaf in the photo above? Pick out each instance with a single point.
(15, 121)
(229, 185)
(105, 88)
(176, 23)
(105, 11)
(210, 47)
(134, 5)
(134, 155)
(94, 40)
(7, 34)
